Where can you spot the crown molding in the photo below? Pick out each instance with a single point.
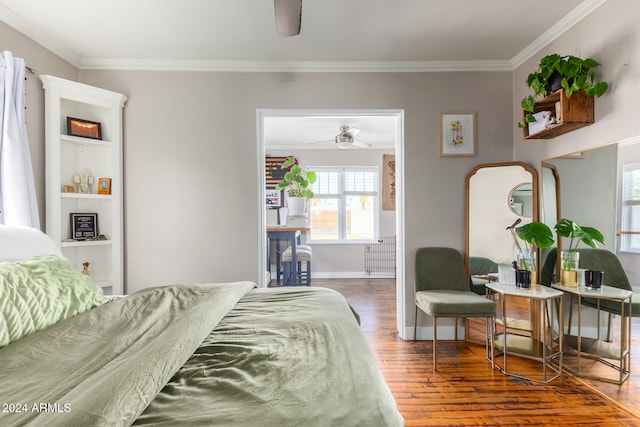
(581, 11)
(295, 66)
(576, 15)
(24, 27)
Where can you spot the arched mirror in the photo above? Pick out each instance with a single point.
(498, 195)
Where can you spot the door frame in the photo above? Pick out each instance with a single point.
(262, 113)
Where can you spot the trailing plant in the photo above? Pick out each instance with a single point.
(574, 74)
(576, 233)
(296, 180)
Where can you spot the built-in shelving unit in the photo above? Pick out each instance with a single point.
(68, 156)
(570, 114)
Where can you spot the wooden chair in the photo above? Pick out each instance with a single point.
(442, 290)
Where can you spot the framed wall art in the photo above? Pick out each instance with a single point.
(388, 182)
(457, 134)
(84, 128)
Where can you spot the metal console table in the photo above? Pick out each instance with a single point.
(613, 355)
(541, 343)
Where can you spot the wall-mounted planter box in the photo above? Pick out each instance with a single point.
(571, 114)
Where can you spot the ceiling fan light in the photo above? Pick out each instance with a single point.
(343, 145)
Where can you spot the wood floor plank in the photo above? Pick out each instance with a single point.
(465, 391)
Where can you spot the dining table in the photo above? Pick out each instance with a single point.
(280, 233)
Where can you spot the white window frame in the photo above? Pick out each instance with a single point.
(626, 206)
(342, 195)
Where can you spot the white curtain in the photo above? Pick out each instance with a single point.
(18, 205)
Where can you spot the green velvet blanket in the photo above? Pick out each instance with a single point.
(223, 354)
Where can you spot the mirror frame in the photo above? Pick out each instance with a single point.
(534, 200)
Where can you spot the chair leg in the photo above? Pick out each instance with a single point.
(415, 324)
(456, 330)
(435, 340)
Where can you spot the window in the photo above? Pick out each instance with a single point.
(631, 207)
(345, 204)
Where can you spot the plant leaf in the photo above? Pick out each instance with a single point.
(590, 235)
(536, 233)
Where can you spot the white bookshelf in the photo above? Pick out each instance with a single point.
(67, 156)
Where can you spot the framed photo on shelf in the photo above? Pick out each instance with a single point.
(274, 198)
(68, 188)
(83, 225)
(84, 128)
(457, 134)
(104, 185)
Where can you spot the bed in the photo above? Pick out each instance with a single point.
(226, 354)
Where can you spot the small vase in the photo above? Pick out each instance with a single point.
(569, 278)
(569, 260)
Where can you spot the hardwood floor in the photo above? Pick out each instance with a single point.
(465, 391)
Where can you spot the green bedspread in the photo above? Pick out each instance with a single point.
(224, 354)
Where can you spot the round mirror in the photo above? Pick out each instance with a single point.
(520, 200)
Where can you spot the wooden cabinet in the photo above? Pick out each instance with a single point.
(574, 113)
(67, 158)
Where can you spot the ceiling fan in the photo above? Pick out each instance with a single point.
(288, 17)
(346, 139)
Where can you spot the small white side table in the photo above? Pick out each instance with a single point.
(542, 343)
(614, 355)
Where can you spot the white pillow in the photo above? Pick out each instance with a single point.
(19, 242)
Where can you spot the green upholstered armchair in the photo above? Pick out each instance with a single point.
(614, 275)
(442, 290)
(548, 261)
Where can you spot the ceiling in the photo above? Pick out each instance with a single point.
(336, 35)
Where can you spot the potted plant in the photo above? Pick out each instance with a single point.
(534, 235)
(296, 182)
(555, 71)
(576, 234)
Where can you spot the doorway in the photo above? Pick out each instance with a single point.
(264, 119)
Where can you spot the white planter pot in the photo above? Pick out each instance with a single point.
(297, 205)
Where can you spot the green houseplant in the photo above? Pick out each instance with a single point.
(576, 234)
(534, 235)
(569, 72)
(296, 182)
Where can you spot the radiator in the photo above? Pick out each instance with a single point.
(380, 257)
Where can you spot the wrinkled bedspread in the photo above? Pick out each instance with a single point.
(217, 354)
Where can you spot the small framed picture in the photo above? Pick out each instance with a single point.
(457, 134)
(274, 198)
(68, 188)
(84, 225)
(104, 185)
(84, 128)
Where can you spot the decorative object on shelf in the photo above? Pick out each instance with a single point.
(84, 128)
(84, 225)
(85, 268)
(569, 259)
(593, 279)
(555, 71)
(296, 182)
(388, 182)
(84, 180)
(104, 185)
(69, 188)
(457, 134)
(273, 198)
(534, 235)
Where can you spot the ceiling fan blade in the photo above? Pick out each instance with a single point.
(288, 17)
(361, 144)
(353, 132)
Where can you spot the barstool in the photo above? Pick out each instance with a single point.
(303, 255)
